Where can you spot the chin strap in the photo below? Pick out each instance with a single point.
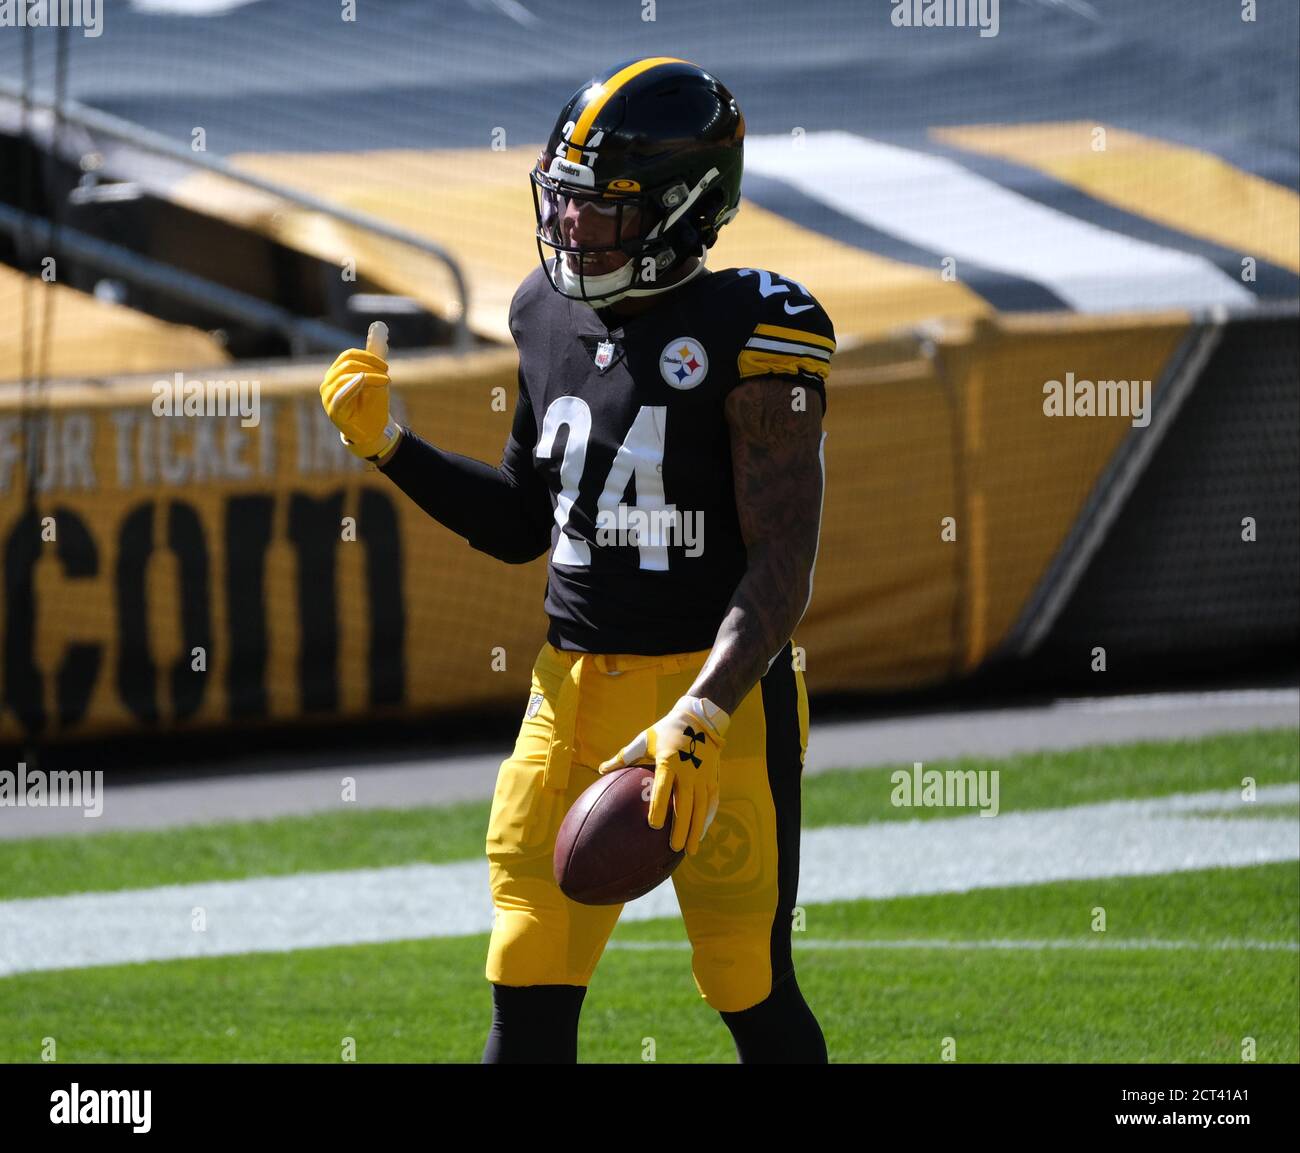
(572, 282)
(694, 272)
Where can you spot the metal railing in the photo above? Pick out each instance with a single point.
(147, 140)
(304, 334)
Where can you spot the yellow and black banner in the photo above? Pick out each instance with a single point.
(163, 571)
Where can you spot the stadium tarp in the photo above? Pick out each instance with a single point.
(201, 572)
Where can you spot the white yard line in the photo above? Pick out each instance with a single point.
(886, 859)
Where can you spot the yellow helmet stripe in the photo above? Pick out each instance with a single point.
(597, 102)
(794, 334)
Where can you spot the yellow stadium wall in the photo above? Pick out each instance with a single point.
(916, 435)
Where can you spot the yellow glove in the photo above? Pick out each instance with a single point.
(685, 746)
(355, 395)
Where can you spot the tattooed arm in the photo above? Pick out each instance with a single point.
(776, 458)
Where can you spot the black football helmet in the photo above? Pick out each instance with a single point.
(659, 137)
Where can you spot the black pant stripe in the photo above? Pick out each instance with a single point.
(784, 770)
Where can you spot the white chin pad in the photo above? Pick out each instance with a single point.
(595, 288)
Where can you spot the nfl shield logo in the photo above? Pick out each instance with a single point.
(604, 354)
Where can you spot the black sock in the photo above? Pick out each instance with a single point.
(780, 1030)
(534, 1025)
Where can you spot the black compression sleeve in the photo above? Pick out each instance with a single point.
(504, 512)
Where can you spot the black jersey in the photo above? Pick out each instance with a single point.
(625, 428)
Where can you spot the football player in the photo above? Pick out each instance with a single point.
(666, 451)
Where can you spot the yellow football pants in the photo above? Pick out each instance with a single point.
(736, 895)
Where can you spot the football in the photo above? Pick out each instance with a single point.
(606, 853)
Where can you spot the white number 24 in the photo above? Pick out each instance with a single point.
(641, 455)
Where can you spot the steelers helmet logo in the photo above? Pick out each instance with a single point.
(683, 363)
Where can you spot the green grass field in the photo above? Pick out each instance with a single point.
(1190, 963)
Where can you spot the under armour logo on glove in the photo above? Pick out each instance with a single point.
(695, 730)
(693, 737)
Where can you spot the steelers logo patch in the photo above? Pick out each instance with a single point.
(683, 363)
(726, 849)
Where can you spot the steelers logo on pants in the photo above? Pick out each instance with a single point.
(726, 851)
(728, 856)
(683, 363)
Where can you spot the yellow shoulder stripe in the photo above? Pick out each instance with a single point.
(752, 362)
(795, 334)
